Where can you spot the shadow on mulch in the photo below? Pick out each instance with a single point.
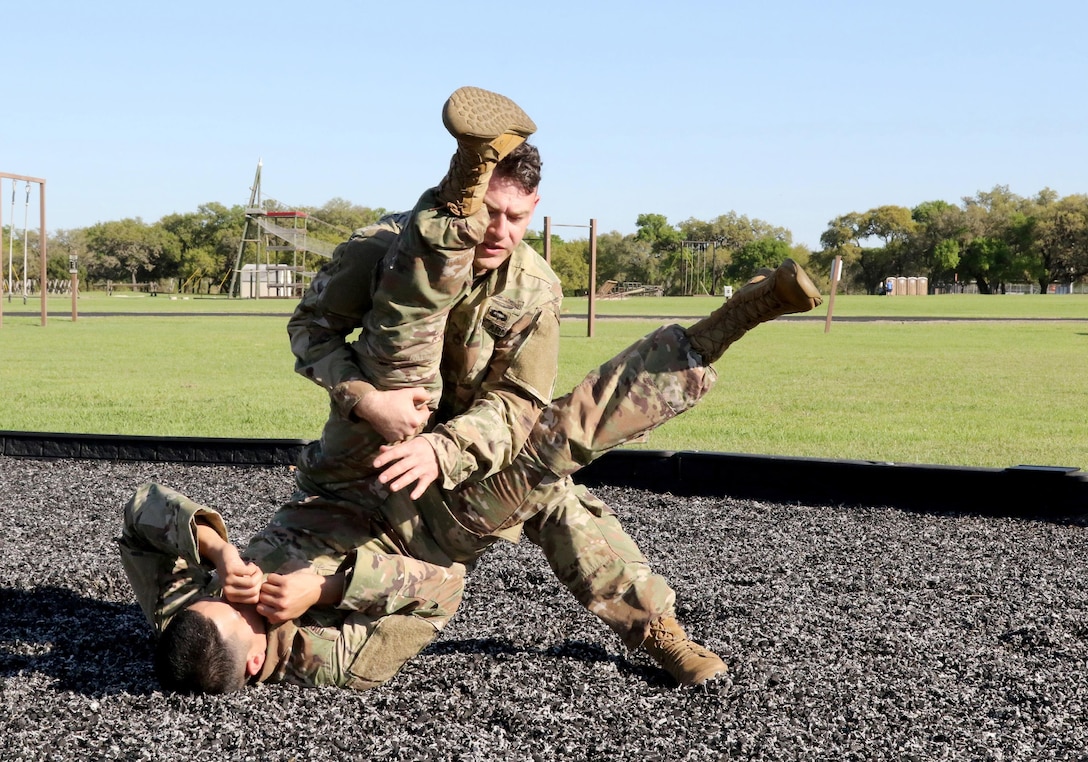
(90, 647)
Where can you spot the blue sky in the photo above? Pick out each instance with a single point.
(790, 112)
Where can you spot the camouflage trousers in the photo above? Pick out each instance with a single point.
(651, 382)
(581, 538)
(424, 273)
(330, 536)
(655, 379)
(393, 605)
(597, 561)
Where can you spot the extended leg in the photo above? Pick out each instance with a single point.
(770, 294)
(649, 383)
(652, 381)
(430, 266)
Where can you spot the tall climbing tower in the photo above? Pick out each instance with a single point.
(278, 236)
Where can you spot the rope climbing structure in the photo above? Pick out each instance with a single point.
(24, 284)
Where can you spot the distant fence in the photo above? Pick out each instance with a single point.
(165, 286)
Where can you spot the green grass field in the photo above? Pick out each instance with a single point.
(965, 306)
(961, 392)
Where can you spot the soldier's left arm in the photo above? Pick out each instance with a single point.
(286, 596)
(160, 551)
(390, 607)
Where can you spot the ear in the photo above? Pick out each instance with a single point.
(254, 662)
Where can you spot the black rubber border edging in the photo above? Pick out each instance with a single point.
(1049, 492)
(1053, 493)
(267, 452)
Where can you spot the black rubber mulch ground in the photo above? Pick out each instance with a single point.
(851, 634)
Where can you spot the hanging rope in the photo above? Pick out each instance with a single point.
(26, 215)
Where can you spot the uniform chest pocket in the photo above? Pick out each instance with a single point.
(500, 314)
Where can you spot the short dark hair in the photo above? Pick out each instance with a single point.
(192, 657)
(522, 165)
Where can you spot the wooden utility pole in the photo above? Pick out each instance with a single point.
(592, 295)
(73, 270)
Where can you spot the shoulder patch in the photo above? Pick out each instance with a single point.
(501, 313)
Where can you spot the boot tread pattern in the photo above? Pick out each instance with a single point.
(472, 112)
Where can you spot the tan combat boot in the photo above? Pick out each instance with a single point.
(687, 661)
(487, 126)
(770, 294)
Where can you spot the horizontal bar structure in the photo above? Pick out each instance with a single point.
(1048, 492)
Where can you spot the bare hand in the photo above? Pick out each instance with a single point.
(397, 414)
(241, 579)
(408, 462)
(284, 597)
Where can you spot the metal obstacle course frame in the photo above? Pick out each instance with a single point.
(43, 240)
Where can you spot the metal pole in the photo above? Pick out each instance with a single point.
(26, 217)
(41, 184)
(592, 277)
(548, 240)
(592, 265)
(43, 245)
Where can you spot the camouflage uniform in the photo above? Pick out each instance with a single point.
(426, 268)
(498, 370)
(505, 453)
(392, 607)
(499, 359)
(655, 379)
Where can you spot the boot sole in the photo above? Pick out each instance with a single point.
(472, 112)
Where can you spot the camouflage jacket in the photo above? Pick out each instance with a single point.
(343, 646)
(499, 361)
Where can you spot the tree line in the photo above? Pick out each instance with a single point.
(196, 250)
(992, 239)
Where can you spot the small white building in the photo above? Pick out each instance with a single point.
(266, 281)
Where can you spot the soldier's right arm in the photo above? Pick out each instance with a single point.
(286, 596)
(240, 579)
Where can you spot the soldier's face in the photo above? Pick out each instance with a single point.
(238, 623)
(511, 210)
